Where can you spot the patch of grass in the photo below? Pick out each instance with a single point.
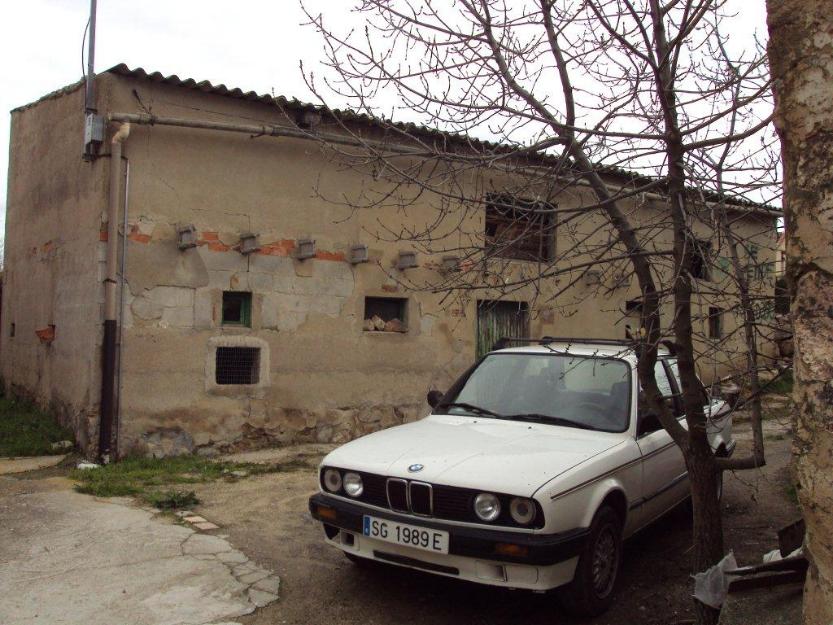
(172, 499)
(783, 385)
(792, 493)
(151, 478)
(26, 430)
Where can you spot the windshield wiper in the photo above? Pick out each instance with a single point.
(545, 418)
(471, 407)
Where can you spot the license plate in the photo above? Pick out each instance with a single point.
(406, 535)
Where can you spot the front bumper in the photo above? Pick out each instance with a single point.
(535, 561)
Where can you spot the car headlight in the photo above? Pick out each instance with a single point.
(487, 506)
(332, 480)
(353, 484)
(522, 510)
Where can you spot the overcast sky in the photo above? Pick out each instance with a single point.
(251, 44)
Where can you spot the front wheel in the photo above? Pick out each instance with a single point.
(591, 591)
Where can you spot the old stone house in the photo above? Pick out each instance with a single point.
(251, 310)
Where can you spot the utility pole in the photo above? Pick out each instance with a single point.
(93, 122)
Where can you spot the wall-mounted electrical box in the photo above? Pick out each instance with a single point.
(249, 243)
(406, 260)
(358, 254)
(305, 248)
(186, 236)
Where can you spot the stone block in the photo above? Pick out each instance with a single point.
(145, 308)
(206, 527)
(254, 576)
(220, 280)
(230, 260)
(203, 544)
(203, 310)
(239, 281)
(232, 557)
(260, 598)
(260, 282)
(179, 317)
(271, 584)
(172, 296)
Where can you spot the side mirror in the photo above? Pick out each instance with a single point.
(647, 423)
(434, 397)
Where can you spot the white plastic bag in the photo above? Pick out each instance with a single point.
(711, 586)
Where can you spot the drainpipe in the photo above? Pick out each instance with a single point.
(108, 348)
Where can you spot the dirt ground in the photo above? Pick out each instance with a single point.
(266, 517)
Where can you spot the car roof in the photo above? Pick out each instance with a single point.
(584, 348)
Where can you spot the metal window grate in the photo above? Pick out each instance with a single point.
(237, 365)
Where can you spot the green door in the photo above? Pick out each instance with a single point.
(499, 319)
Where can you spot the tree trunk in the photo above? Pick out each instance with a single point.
(801, 57)
(707, 532)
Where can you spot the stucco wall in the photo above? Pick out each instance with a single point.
(52, 293)
(324, 378)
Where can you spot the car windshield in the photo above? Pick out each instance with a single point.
(585, 392)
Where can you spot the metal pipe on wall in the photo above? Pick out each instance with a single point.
(108, 348)
(122, 270)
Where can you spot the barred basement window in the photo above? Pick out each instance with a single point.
(237, 365)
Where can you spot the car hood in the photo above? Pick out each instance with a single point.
(489, 454)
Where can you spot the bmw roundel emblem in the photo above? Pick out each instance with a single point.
(415, 468)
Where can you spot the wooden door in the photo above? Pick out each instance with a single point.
(498, 319)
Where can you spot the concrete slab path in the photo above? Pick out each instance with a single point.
(68, 559)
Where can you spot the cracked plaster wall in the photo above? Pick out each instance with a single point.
(328, 380)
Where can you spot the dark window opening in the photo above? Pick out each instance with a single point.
(11, 330)
(237, 308)
(385, 314)
(700, 259)
(237, 365)
(715, 323)
(519, 229)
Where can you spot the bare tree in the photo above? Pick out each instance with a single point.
(570, 91)
(801, 54)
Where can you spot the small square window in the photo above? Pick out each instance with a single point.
(237, 308)
(385, 314)
(715, 323)
(521, 229)
(237, 365)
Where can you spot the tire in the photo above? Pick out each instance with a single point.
(591, 591)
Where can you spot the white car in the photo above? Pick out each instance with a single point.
(528, 473)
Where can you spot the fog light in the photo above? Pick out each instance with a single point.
(332, 480)
(353, 484)
(487, 506)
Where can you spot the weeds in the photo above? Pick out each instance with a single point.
(172, 499)
(783, 385)
(151, 478)
(26, 430)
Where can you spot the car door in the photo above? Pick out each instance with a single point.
(664, 474)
